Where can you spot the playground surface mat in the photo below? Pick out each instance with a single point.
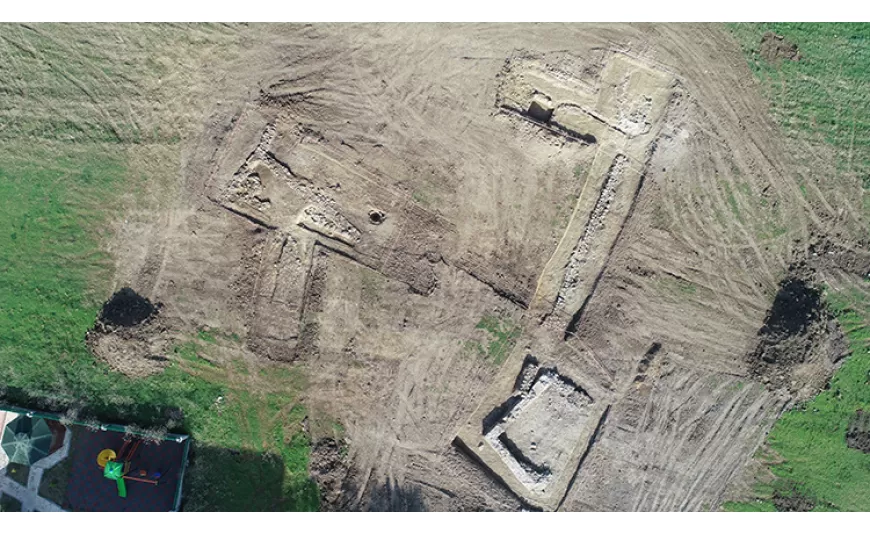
(89, 491)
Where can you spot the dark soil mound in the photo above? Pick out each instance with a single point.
(127, 308)
(791, 498)
(328, 467)
(775, 48)
(798, 329)
(858, 435)
(794, 309)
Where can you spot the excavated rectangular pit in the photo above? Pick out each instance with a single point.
(545, 428)
(538, 433)
(534, 439)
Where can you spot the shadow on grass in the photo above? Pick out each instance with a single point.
(227, 480)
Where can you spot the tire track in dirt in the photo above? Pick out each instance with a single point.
(697, 462)
(104, 79)
(665, 409)
(699, 467)
(758, 414)
(49, 103)
(738, 107)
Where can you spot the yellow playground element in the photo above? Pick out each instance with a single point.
(105, 456)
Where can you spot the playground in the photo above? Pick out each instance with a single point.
(98, 467)
(151, 474)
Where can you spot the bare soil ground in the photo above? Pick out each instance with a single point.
(366, 197)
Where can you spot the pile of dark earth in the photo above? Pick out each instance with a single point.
(775, 48)
(858, 434)
(796, 325)
(328, 465)
(127, 308)
(792, 498)
(130, 336)
(795, 308)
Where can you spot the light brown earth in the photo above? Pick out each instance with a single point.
(358, 199)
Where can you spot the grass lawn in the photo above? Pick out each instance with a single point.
(824, 98)
(78, 106)
(18, 473)
(501, 335)
(9, 504)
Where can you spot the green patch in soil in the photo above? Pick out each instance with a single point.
(502, 334)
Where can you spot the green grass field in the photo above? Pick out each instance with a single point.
(253, 453)
(79, 106)
(823, 99)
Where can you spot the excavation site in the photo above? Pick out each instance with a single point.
(467, 267)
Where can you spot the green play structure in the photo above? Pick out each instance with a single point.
(115, 471)
(117, 466)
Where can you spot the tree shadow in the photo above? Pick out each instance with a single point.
(341, 491)
(228, 480)
(393, 498)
